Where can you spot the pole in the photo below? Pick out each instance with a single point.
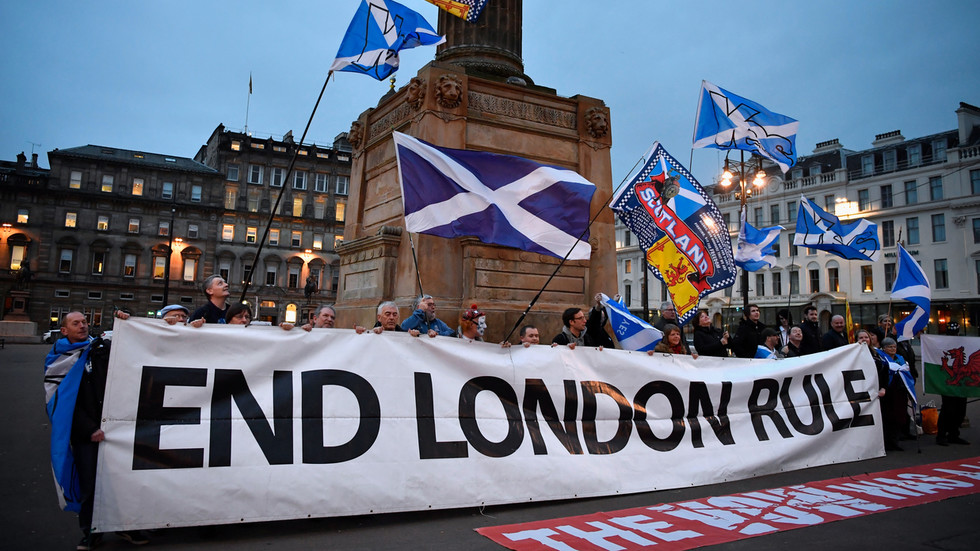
(170, 250)
(646, 291)
(415, 258)
(743, 210)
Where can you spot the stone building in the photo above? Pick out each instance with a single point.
(924, 192)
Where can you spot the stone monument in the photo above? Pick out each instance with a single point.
(474, 96)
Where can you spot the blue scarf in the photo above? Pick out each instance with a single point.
(63, 368)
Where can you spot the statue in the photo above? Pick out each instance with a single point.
(23, 277)
(310, 288)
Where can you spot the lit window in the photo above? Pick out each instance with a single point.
(102, 224)
(867, 280)
(250, 234)
(134, 225)
(159, 267)
(164, 228)
(129, 265)
(273, 237)
(627, 266)
(297, 206)
(258, 145)
(297, 240)
(76, 180)
(319, 207)
(236, 145)
(304, 152)
(107, 183)
(17, 253)
(299, 180)
(342, 183)
(22, 216)
(279, 148)
(167, 192)
(98, 263)
(71, 218)
(340, 211)
(318, 241)
(196, 193)
(137, 186)
(231, 198)
(190, 269)
(227, 232)
(254, 196)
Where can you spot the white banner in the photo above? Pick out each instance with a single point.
(227, 424)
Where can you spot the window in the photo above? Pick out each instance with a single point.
(814, 280)
(156, 298)
(936, 188)
(254, 197)
(942, 274)
(192, 231)
(318, 241)
(911, 193)
(628, 294)
(939, 150)
(17, 253)
(107, 183)
(164, 228)
(231, 198)
(626, 238)
(912, 227)
(254, 174)
(776, 248)
(726, 218)
(75, 182)
(293, 282)
(95, 295)
(915, 154)
(159, 267)
(297, 206)
(975, 181)
(297, 239)
(257, 145)
(227, 232)
(236, 145)
(867, 281)
(247, 272)
(250, 234)
(134, 225)
(102, 224)
(273, 237)
(774, 214)
(976, 230)
(760, 281)
(833, 280)
(190, 269)
(279, 148)
(777, 283)
(888, 233)
(340, 211)
(137, 186)
(886, 196)
(797, 173)
(320, 184)
(791, 210)
(98, 263)
(319, 207)
(278, 175)
(757, 215)
(232, 173)
(129, 265)
(127, 296)
(167, 192)
(342, 184)
(224, 269)
(71, 219)
(867, 165)
(888, 160)
(794, 282)
(864, 199)
(938, 228)
(829, 203)
(627, 266)
(22, 216)
(196, 193)
(299, 180)
(270, 275)
(889, 276)
(793, 249)
(61, 293)
(64, 266)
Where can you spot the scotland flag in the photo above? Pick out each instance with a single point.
(818, 229)
(911, 284)
(499, 199)
(380, 29)
(755, 250)
(727, 121)
(631, 332)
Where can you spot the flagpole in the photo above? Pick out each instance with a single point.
(282, 189)
(562, 263)
(248, 102)
(415, 258)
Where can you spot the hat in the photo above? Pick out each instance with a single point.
(171, 308)
(472, 314)
(769, 332)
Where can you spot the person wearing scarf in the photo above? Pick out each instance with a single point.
(899, 389)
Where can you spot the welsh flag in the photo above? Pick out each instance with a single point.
(951, 365)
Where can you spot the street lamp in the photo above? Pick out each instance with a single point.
(170, 251)
(745, 190)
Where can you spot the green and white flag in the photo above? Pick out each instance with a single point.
(951, 365)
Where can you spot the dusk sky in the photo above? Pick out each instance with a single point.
(159, 76)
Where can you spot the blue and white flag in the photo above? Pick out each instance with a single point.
(911, 284)
(818, 229)
(728, 121)
(499, 199)
(755, 246)
(898, 366)
(380, 29)
(631, 332)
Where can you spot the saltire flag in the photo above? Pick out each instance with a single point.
(250, 84)
(379, 30)
(755, 246)
(681, 229)
(911, 284)
(898, 368)
(951, 365)
(727, 121)
(631, 332)
(464, 9)
(818, 229)
(63, 369)
(500, 199)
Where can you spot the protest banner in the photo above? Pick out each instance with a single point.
(228, 424)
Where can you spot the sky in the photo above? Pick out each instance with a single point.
(160, 75)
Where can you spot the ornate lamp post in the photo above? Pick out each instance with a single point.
(745, 190)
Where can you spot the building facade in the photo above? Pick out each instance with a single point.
(923, 192)
(108, 228)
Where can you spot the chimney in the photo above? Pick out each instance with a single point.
(21, 159)
(33, 160)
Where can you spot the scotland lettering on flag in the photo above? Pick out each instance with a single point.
(631, 332)
(755, 246)
(680, 228)
(379, 30)
(818, 229)
(727, 121)
(911, 284)
(500, 199)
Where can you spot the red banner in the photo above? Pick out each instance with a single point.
(720, 519)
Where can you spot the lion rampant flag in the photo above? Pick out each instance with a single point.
(951, 365)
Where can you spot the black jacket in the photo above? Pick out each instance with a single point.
(707, 341)
(747, 338)
(811, 338)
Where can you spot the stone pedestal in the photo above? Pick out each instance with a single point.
(446, 106)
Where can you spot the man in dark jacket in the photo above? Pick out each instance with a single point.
(580, 329)
(836, 337)
(748, 336)
(811, 331)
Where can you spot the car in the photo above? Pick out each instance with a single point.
(51, 336)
